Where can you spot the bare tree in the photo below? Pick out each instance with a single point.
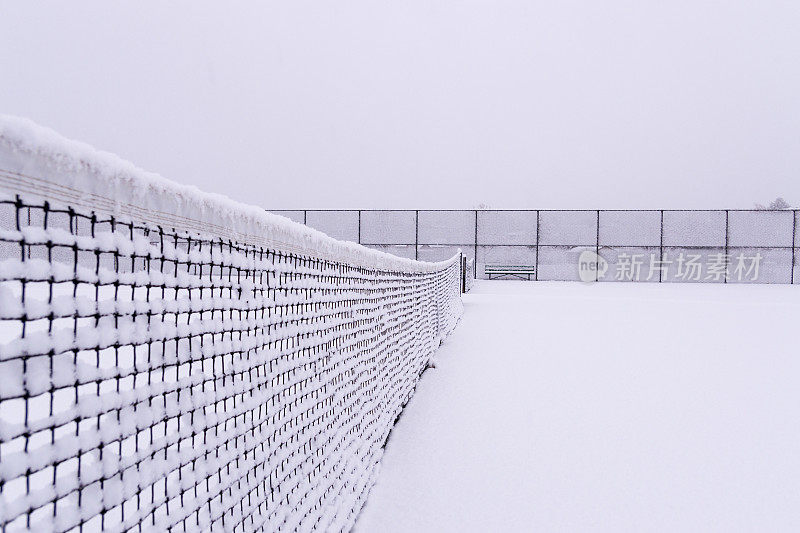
(777, 203)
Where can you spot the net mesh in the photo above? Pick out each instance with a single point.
(155, 379)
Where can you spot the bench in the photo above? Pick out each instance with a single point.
(516, 271)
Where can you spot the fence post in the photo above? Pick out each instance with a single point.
(726, 247)
(475, 249)
(597, 247)
(661, 250)
(794, 243)
(536, 267)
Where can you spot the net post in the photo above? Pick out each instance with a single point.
(463, 264)
(416, 234)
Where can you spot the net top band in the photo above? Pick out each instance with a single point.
(36, 161)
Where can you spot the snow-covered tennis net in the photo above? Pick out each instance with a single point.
(172, 361)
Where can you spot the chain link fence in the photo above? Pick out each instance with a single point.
(711, 246)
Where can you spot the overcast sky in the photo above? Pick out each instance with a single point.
(425, 103)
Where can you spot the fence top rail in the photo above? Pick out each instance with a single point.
(371, 210)
(38, 162)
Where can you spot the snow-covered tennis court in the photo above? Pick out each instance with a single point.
(603, 407)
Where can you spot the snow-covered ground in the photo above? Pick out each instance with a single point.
(604, 407)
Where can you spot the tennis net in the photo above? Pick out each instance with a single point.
(171, 361)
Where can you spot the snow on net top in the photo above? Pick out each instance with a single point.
(35, 160)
